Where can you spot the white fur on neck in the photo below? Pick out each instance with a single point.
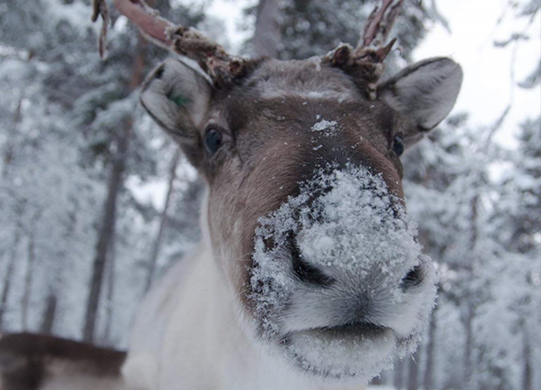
(190, 334)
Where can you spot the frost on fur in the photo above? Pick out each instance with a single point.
(348, 225)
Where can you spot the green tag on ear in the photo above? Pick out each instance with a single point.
(179, 100)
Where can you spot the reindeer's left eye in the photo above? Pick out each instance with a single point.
(398, 145)
(213, 141)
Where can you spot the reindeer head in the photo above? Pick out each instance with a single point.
(305, 206)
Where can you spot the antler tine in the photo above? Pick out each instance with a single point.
(379, 24)
(222, 68)
(366, 60)
(100, 9)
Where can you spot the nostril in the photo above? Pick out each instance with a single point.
(304, 271)
(414, 278)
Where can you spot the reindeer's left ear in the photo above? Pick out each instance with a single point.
(177, 95)
(424, 92)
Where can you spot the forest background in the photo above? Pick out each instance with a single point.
(96, 202)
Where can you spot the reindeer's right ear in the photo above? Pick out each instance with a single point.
(177, 97)
(424, 92)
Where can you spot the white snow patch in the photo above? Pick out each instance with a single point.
(327, 127)
(324, 125)
(348, 225)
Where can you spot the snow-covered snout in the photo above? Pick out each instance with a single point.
(339, 279)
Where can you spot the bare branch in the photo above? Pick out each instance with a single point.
(533, 80)
(496, 126)
(512, 38)
(434, 14)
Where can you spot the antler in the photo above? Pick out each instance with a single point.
(100, 8)
(379, 24)
(222, 68)
(366, 60)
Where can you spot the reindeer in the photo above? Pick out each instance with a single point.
(308, 275)
(32, 361)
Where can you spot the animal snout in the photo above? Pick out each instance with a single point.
(345, 259)
(308, 272)
(334, 292)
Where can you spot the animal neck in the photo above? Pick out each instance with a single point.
(191, 330)
(230, 351)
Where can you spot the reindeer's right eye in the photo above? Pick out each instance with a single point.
(213, 140)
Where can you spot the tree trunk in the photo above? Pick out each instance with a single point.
(267, 35)
(49, 315)
(413, 370)
(8, 148)
(106, 233)
(110, 271)
(25, 302)
(428, 380)
(398, 377)
(163, 221)
(527, 373)
(8, 278)
(468, 361)
(107, 228)
(469, 365)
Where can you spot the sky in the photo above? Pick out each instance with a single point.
(489, 85)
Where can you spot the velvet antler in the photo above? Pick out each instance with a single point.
(366, 60)
(221, 67)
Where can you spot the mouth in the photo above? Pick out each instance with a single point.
(350, 350)
(363, 330)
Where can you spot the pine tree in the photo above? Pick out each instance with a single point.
(67, 118)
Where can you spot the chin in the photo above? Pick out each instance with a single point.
(358, 352)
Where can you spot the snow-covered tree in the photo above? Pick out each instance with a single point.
(75, 135)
